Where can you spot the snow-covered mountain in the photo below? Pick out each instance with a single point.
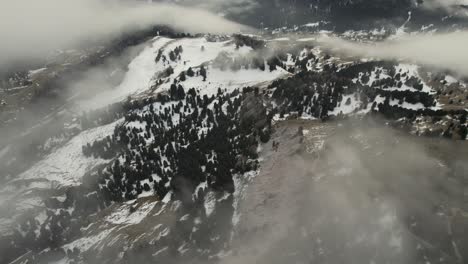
(268, 148)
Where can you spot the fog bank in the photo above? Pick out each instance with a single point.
(446, 4)
(31, 29)
(370, 194)
(446, 51)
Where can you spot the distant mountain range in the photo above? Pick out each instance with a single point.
(343, 14)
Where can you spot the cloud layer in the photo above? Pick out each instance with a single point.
(31, 28)
(432, 4)
(232, 7)
(446, 51)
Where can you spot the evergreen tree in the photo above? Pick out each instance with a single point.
(172, 56)
(169, 71)
(182, 77)
(180, 92)
(463, 119)
(173, 91)
(203, 72)
(190, 72)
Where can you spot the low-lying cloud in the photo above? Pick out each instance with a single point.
(446, 4)
(31, 29)
(446, 51)
(350, 203)
(232, 7)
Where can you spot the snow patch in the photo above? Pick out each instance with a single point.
(137, 79)
(210, 203)
(123, 215)
(67, 165)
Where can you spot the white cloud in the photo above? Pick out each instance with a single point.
(446, 51)
(223, 6)
(30, 28)
(451, 5)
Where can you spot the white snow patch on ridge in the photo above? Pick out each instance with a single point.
(137, 79)
(210, 203)
(192, 56)
(67, 165)
(143, 71)
(86, 243)
(231, 80)
(124, 216)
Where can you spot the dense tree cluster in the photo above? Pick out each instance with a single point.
(243, 40)
(174, 55)
(316, 94)
(311, 93)
(171, 143)
(354, 70)
(179, 144)
(407, 96)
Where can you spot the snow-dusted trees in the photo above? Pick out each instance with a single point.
(203, 145)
